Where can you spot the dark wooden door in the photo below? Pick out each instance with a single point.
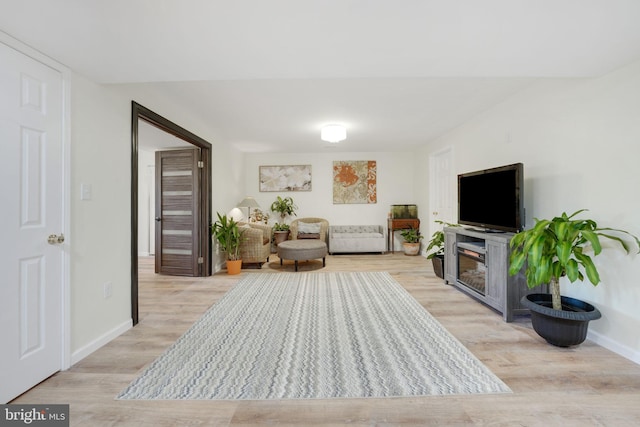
(178, 216)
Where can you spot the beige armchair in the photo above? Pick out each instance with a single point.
(255, 247)
(298, 231)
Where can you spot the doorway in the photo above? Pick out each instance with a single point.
(442, 188)
(203, 215)
(176, 225)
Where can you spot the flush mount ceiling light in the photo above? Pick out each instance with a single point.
(333, 133)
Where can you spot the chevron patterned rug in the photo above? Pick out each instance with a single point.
(314, 335)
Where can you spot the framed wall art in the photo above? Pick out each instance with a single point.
(355, 182)
(285, 178)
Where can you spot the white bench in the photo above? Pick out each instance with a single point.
(356, 239)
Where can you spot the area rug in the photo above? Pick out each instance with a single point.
(314, 335)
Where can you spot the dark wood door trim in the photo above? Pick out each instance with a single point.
(139, 112)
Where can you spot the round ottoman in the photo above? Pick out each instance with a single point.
(299, 250)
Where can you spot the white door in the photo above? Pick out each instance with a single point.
(31, 190)
(442, 189)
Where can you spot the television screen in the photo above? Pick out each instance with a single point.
(492, 198)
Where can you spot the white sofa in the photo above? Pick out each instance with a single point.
(356, 239)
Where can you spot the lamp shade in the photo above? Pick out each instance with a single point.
(333, 133)
(236, 214)
(248, 202)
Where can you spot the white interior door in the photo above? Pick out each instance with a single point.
(442, 189)
(32, 190)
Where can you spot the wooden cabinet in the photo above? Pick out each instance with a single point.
(394, 224)
(477, 263)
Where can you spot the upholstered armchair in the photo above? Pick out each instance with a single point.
(309, 228)
(255, 246)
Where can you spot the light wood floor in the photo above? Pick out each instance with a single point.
(582, 386)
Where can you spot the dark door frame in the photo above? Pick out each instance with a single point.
(138, 112)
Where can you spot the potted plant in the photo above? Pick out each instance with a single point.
(556, 248)
(436, 245)
(229, 236)
(411, 242)
(284, 207)
(280, 232)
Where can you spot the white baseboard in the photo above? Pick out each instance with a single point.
(614, 346)
(83, 352)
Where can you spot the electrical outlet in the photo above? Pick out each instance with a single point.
(108, 290)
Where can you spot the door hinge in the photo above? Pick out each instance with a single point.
(200, 164)
(200, 260)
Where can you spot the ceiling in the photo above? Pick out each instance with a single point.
(266, 75)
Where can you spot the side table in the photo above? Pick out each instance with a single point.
(394, 224)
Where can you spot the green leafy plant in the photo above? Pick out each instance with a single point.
(436, 243)
(280, 227)
(284, 206)
(411, 235)
(556, 248)
(229, 236)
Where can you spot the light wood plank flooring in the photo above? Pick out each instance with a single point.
(582, 386)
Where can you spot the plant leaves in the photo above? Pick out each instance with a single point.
(516, 262)
(594, 240)
(563, 251)
(554, 248)
(571, 268)
(589, 267)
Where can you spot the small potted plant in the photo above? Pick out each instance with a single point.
(229, 236)
(435, 249)
(284, 207)
(555, 248)
(411, 242)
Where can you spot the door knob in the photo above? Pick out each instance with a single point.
(54, 239)
(158, 219)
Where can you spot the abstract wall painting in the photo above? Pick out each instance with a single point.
(285, 178)
(355, 182)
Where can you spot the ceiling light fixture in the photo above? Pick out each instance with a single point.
(333, 133)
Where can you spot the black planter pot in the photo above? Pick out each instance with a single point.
(562, 328)
(438, 265)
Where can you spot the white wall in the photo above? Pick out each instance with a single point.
(101, 230)
(100, 156)
(577, 139)
(579, 142)
(395, 183)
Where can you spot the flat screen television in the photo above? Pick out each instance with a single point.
(492, 199)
